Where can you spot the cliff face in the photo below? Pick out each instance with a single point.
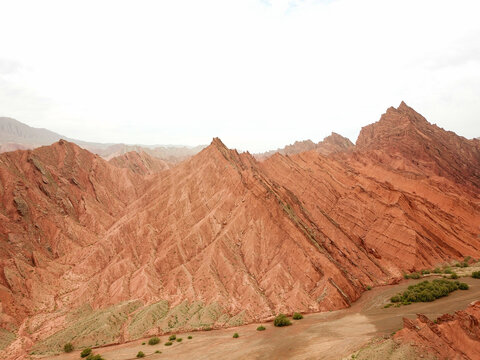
(449, 337)
(222, 231)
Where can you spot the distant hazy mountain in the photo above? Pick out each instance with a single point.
(15, 135)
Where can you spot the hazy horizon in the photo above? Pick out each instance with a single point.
(257, 74)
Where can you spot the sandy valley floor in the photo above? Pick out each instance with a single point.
(330, 335)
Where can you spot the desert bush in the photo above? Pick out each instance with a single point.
(281, 320)
(85, 352)
(143, 343)
(179, 339)
(153, 341)
(94, 357)
(426, 291)
(261, 328)
(158, 352)
(68, 347)
(172, 337)
(447, 270)
(168, 343)
(368, 287)
(415, 275)
(437, 270)
(476, 274)
(454, 275)
(297, 316)
(425, 272)
(463, 286)
(236, 335)
(189, 337)
(140, 354)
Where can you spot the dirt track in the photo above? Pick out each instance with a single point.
(318, 336)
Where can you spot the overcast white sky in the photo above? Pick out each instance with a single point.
(259, 74)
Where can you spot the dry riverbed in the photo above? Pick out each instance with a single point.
(331, 335)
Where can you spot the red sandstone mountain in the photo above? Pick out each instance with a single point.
(331, 144)
(449, 337)
(140, 163)
(221, 238)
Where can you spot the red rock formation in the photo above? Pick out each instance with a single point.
(303, 232)
(140, 163)
(450, 337)
(331, 144)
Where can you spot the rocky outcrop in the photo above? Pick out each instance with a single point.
(449, 337)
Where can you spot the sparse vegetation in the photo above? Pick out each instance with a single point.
(297, 316)
(168, 343)
(454, 276)
(179, 339)
(261, 328)
(140, 354)
(425, 272)
(158, 352)
(426, 291)
(447, 270)
(68, 347)
(143, 343)
(190, 337)
(476, 274)
(437, 270)
(172, 337)
(414, 275)
(153, 341)
(368, 287)
(281, 320)
(235, 335)
(85, 352)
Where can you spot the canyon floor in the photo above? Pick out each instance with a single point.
(328, 335)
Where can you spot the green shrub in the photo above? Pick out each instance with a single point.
(406, 276)
(463, 286)
(143, 343)
(94, 357)
(261, 328)
(415, 275)
(437, 270)
(189, 337)
(297, 316)
(425, 272)
(235, 335)
(168, 343)
(454, 275)
(158, 352)
(179, 339)
(368, 287)
(172, 337)
(476, 274)
(387, 306)
(140, 354)
(447, 270)
(153, 341)
(281, 320)
(68, 347)
(85, 352)
(426, 291)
